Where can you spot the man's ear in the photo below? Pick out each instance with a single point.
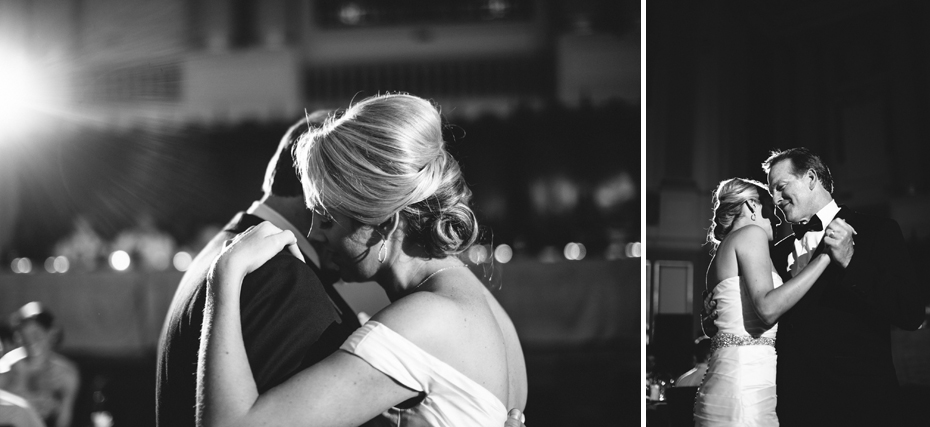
(813, 177)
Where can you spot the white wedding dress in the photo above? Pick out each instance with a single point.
(739, 386)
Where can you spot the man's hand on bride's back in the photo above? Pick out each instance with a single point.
(709, 314)
(250, 249)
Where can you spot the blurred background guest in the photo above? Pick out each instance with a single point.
(14, 410)
(83, 245)
(693, 377)
(145, 242)
(44, 378)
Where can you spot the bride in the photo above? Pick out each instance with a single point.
(739, 386)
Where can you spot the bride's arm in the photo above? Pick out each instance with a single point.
(340, 390)
(752, 256)
(225, 385)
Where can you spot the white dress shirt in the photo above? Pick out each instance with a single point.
(804, 248)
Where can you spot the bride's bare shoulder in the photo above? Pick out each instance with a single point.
(750, 236)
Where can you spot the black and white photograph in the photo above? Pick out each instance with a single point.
(787, 199)
(340, 212)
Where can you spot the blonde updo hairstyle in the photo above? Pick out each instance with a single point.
(727, 202)
(385, 155)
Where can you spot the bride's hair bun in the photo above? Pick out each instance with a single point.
(443, 223)
(727, 202)
(385, 155)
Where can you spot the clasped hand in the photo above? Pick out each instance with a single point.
(250, 249)
(838, 241)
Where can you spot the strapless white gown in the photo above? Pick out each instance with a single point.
(739, 386)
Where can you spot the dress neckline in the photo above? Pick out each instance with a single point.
(478, 386)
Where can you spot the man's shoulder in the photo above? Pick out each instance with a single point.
(284, 266)
(282, 274)
(850, 215)
(868, 223)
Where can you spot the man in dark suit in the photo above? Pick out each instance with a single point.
(834, 346)
(290, 318)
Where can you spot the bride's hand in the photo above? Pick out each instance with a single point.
(250, 249)
(838, 241)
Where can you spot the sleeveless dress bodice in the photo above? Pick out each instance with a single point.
(739, 386)
(735, 313)
(449, 397)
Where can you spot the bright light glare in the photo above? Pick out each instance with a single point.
(503, 253)
(119, 260)
(181, 261)
(20, 90)
(50, 264)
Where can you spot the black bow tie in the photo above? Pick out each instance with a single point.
(813, 225)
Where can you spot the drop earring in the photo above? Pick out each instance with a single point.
(381, 251)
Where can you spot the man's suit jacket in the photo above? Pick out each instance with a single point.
(834, 346)
(288, 323)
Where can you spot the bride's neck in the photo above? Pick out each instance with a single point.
(740, 223)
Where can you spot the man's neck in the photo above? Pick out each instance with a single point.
(819, 203)
(292, 209)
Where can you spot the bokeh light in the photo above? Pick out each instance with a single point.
(571, 251)
(182, 260)
(21, 265)
(503, 253)
(50, 264)
(575, 251)
(478, 254)
(119, 260)
(634, 250)
(61, 264)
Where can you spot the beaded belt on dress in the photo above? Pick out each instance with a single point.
(723, 339)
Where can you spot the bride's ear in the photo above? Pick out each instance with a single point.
(390, 225)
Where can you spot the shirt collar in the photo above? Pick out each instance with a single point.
(827, 213)
(266, 213)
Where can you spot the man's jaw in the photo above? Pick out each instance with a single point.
(787, 208)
